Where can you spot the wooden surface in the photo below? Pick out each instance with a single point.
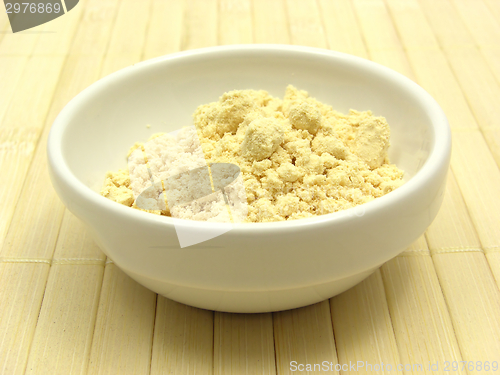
(66, 309)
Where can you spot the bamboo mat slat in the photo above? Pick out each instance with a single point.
(305, 336)
(183, 341)
(59, 35)
(468, 66)
(492, 55)
(480, 20)
(235, 22)
(470, 296)
(22, 128)
(36, 221)
(165, 28)
(4, 21)
(17, 342)
(452, 229)
(200, 24)
(493, 138)
(20, 301)
(305, 24)
(93, 34)
(23, 44)
(479, 180)
(68, 310)
(270, 22)
(123, 334)
(493, 257)
(74, 245)
(431, 67)
(65, 309)
(494, 8)
(422, 325)
(485, 33)
(381, 38)
(243, 344)
(466, 279)
(11, 68)
(433, 72)
(363, 327)
(61, 343)
(341, 27)
(128, 36)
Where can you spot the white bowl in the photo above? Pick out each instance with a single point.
(255, 267)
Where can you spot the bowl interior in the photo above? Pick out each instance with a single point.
(114, 113)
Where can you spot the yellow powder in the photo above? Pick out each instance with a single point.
(298, 157)
(116, 187)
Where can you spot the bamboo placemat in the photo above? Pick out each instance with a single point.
(65, 309)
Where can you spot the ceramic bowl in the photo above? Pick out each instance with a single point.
(255, 267)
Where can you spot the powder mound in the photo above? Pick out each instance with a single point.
(229, 112)
(298, 157)
(262, 138)
(371, 141)
(304, 116)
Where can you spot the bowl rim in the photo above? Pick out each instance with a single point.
(439, 153)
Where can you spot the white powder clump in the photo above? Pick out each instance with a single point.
(169, 175)
(166, 155)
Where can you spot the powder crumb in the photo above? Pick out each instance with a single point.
(262, 137)
(116, 187)
(298, 157)
(305, 116)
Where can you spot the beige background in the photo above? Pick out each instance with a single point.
(65, 309)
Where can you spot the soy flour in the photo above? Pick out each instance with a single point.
(298, 157)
